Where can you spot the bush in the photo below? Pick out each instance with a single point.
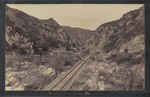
(30, 87)
(86, 87)
(124, 79)
(35, 79)
(67, 63)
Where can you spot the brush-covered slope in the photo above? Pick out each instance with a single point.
(79, 36)
(28, 34)
(117, 34)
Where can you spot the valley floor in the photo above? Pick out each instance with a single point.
(35, 72)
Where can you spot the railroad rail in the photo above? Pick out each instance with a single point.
(65, 80)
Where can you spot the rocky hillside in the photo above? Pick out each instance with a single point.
(117, 34)
(119, 62)
(79, 36)
(28, 34)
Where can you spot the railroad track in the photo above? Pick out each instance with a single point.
(65, 80)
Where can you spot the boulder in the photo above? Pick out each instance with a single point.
(49, 71)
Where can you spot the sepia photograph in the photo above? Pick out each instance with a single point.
(74, 47)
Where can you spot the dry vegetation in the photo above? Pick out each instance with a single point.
(120, 78)
(105, 74)
(27, 72)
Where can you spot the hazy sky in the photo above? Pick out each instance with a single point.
(88, 16)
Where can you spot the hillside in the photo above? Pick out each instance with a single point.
(119, 62)
(79, 36)
(31, 35)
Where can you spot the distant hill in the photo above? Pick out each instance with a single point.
(79, 36)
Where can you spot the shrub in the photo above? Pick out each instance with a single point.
(124, 79)
(67, 63)
(30, 87)
(86, 87)
(35, 79)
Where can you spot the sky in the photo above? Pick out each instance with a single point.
(87, 16)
